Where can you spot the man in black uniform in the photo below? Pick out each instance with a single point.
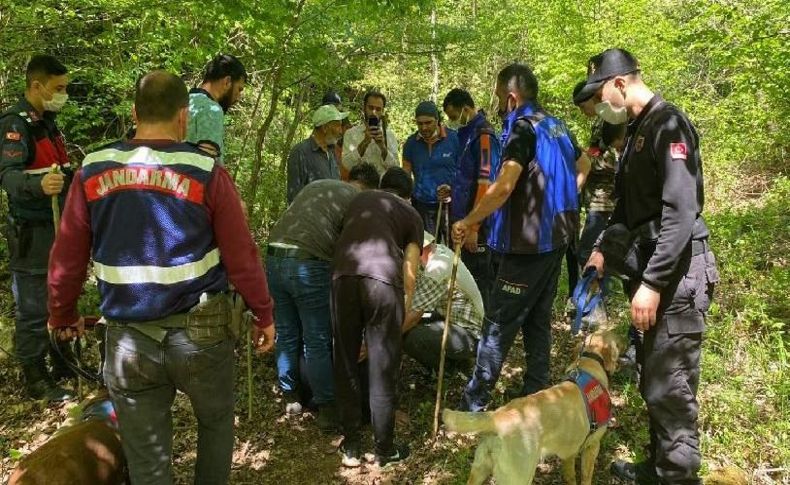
(30, 143)
(660, 190)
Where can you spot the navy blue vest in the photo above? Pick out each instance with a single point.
(468, 171)
(542, 213)
(153, 244)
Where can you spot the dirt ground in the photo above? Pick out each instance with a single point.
(272, 448)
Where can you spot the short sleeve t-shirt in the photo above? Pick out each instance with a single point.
(314, 219)
(376, 230)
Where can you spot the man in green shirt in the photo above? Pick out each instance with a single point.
(223, 81)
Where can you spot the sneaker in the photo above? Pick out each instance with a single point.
(293, 406)
(385, 461)
(350, 455)
(570, 308)
(628, 359)
(641, 473)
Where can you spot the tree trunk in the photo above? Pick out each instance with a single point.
(289, 138)
(434, 58)
(255, 175)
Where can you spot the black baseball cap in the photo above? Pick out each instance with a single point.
(578, 97)
(604, 66)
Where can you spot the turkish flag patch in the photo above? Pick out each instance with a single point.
(13, 136)
(678, 150)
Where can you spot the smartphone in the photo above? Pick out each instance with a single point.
(373, 121)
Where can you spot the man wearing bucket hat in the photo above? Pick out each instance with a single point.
(660, 198)
(314, 158)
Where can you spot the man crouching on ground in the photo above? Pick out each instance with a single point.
(157, 214)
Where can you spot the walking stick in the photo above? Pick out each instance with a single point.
(55, 202)
(249, 372)
(438, 222)
(56, 223)
(448, 308)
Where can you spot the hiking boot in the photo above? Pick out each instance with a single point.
(641, 473)
(350, 455)
(293, 406)
(388, 460)
(61, 370)
(327, 418)
(39, 386)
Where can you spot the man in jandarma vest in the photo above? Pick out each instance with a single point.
(534, 212)
(660, 196)
(167, 233)
(30, 144)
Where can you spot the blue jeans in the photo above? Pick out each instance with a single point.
(521, 299)
(301, 292)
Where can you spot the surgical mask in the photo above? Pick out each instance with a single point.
(458, 124)
(56, 103)
(610, 114)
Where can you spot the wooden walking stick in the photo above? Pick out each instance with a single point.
(249, 372)
(55, 202)
(438, 222)
(448, 308)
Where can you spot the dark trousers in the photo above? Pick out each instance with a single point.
(429, 213)
(366, 306)
(424, 343)
(30, 336)
(594, 224)
(143, 375)
(669, 356)
(521, 299)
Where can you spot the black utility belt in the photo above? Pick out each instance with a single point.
(294, 253)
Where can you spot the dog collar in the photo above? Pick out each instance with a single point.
(596, 358)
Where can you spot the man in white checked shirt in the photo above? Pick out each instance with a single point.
(424, 323)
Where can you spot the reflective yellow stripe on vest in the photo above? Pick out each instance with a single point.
(146, 156)
(163, 275)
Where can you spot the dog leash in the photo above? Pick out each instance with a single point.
(585, 305)
(75, 364)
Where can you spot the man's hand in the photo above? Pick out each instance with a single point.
(52, 183)
(644, 306)
(65, 334)
(596, 261)
(376, 134)
(461, 230)
(444, 193)
(262, 338)
(471, 241)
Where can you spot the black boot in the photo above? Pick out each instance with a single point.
(327, 418)
(38, 385)
(641, 473)
(61, 370)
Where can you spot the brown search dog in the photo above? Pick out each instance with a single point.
(551, 422)
(86, 452)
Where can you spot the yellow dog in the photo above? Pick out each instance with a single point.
(555, 421)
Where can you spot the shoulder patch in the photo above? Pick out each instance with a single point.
(678, 151)
(13, 136)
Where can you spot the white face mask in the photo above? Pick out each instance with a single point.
(56, 103)
(457, 124)
(610, 114)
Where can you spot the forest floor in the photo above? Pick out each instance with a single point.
(272, 448)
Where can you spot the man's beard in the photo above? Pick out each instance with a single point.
(225, 101)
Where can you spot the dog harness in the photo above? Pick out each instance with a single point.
(596, 398)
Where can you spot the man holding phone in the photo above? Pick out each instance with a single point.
(371, 141)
